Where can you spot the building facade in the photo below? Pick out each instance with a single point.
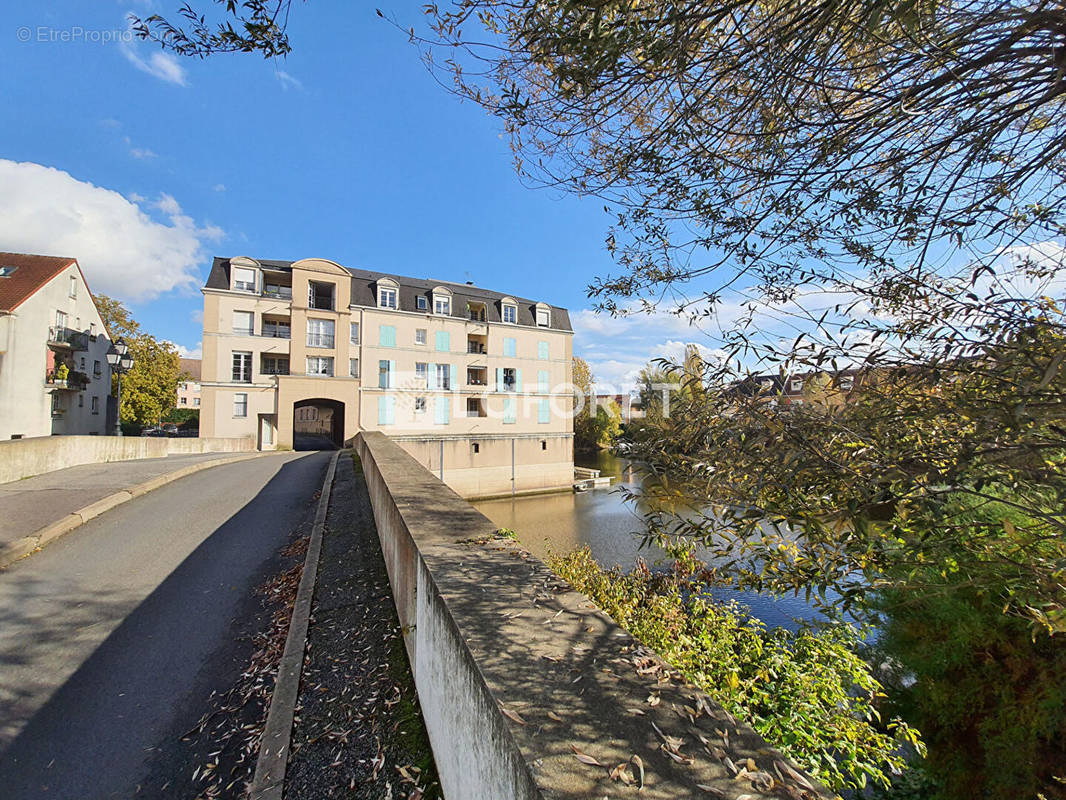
(474, 383)
(188, 395)
(54, 375)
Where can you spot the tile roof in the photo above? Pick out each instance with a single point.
(364, 293)
(31, 274)
(191, 367)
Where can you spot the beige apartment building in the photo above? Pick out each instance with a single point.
(54, 375)
(474, 383)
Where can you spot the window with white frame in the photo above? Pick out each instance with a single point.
(196, 401)
(422, 303)
(275, 365)
(73, 286)
(544, 318)
(319, 332)
(243, 279)
(353, 367)
(240, 404)
(388, 295)
(510, 313)
(420, 335)
(92, 331)
(243, 323)
(320, 365)
(354, 333)
(95, 405)
(242, 366)
(444, 376)
(421, 372)
(796, 385)
(442, 304)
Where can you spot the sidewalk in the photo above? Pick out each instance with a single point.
(28, 505)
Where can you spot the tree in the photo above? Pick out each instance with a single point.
(149, 389)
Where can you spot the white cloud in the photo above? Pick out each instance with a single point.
(159, 65)
(124, 252)
(142, 153)
(189, 352)
(197, 316)
(288, 81)
(219, 187)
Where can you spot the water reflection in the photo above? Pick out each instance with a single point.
(611, 528)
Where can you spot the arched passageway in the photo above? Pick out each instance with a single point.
(318, 424)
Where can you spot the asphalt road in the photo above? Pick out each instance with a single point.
(113, 637)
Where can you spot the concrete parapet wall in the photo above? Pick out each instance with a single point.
(22, 458)
(523, 681)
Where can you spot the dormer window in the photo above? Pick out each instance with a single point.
(509, 311)
(243, 279)
(7, 271)
(388, 294)
(544, 316)
(422, 303)
(442, 301)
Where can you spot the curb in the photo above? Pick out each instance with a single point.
(20, 548)
(269, 780)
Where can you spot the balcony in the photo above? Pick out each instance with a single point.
(277, 291)
(277, 330)
(67, 338)
(320, 340)
(73, 381)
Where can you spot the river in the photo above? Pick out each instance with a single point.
(563, 522)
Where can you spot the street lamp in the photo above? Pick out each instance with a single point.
(118, 356)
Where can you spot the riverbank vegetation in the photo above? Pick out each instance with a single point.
(808, 693)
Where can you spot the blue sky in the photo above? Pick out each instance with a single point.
(144, 165)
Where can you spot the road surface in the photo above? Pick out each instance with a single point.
(113, 637)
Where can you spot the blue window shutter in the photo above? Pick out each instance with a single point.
(499, 379)
(542, 351)
(431, 376)
(442, 410)
(508, 410)
(444, 344)
(542, 381)
(455, 378)
(509, 346)
(392, 374)
(387, 336)
(383, 410)
(518, 380)
(390, 409)
(543, 411)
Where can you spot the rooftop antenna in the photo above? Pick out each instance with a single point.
(469, 279)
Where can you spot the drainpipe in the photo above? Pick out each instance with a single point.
(512, 467)
(442, 461)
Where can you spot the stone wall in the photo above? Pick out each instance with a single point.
(527, 689)
(22, 458)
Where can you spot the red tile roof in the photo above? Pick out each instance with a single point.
(33, 272)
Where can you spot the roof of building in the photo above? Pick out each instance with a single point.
(30, 274)
(190, 367)
(364, 293)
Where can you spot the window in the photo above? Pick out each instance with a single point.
(243, 279)
(421, 303)
(7, 272)
(81, 401)
(320, 333)
(442, 305)
(543, 379)
(422, 372)
(61, 322)
(510, 313)
(510, 346)
(83, 363)
(73, 286)
(544, 318)
(242, 367)
(509, 415)
(420, 335)
(184, 401)
(475, 312)
(386, 374)
(94, 405)
(473, 407)
(243, 323)
(442, 410)
(353, 335)
(97, 369)
(444, 342)
(387, 336)
(353, 367)
(320, 295)
(543, 351)
(420, 405)
(796, 385)
(847, 382)
(444, 376)
(277, 329)
(543, 444)
(477, 448)
(510, 379)
(386, 297)
(543, 411)
(273, 365)
(196, 401)
(320, 365)
(92, 331)
(240, 404)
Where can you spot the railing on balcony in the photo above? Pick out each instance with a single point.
(281, 292)
(75, 340)
(475, 347)
(320, 339)
(72, 380)
(277, 330)
(475, 316)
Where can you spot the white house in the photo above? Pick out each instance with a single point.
(54, 376)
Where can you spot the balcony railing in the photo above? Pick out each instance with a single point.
(475, 316)
(74, 381)
(282, 292)
(475, 347)
(76, 340)
(274, 331)
(320, 340)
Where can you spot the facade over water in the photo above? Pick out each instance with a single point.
(473, 383)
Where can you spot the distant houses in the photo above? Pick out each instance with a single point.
(54, 375)
(188, 395)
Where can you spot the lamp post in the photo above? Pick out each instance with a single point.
(118, 356)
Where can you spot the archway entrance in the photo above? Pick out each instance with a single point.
(318, 424)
